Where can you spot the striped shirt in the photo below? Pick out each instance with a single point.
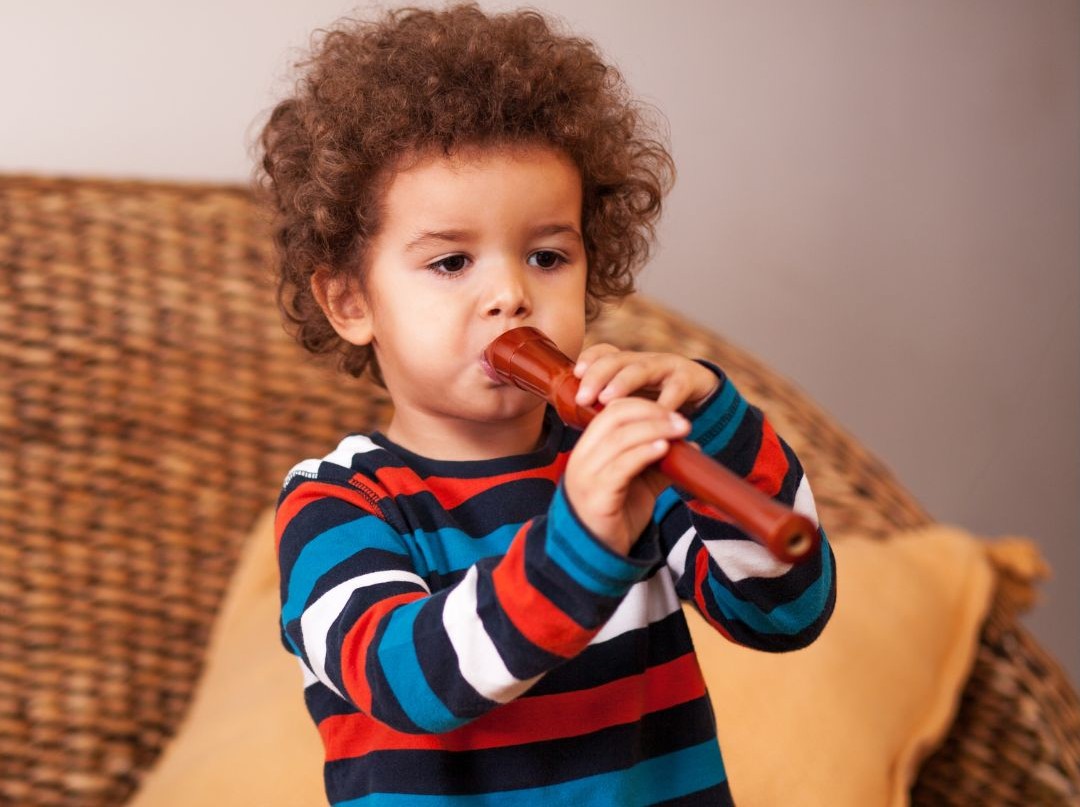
(465, 640)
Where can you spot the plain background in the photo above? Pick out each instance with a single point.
(879, 199)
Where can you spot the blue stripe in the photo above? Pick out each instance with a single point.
(451, 550)
(588, 562)
(655, 780)
(667, 499)
(330, 548)
(789, 618)
(401, 666)
(444, 551)
(714, 427)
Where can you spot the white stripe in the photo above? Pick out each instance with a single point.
(676, 559)
(341, 455)
(646, 602)
(349, 447)
(478, 659)
(308, 468)
(316, 620)
(738, 559)
(804, 502)
(742, 559)
(309, 677)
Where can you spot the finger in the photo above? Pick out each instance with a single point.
(634, 461)
(645, 373)
(643, 447)
(602, 370)
(627, 410)
(591, 354)
(675, 393)
(624, 426)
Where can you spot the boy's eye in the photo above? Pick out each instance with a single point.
(451, 265)
(548, 259)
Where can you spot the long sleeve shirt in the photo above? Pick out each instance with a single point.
(466, 640)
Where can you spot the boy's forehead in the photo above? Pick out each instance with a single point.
(533, 181)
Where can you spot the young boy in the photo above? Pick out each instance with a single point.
(485, 603)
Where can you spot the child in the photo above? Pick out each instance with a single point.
(485, 602)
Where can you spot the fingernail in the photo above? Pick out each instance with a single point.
(679, 421)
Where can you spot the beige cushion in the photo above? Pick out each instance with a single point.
(247, 739)
(848, 720)
(845, 721)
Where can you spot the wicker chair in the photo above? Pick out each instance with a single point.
(148, 409)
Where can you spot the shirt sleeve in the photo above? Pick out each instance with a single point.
(735, 583)
(359, 610)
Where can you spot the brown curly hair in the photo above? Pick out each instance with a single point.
(419, 80)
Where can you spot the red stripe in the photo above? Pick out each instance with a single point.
(309, 492)
(537, 618)
(355, 646)
(706, 509)
(403, 481)
(771, 465)
(767, 475)
(451, 492)
(528, 720)
(701, 574)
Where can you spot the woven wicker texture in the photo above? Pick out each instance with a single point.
(150, 404)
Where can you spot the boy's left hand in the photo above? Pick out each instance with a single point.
(607, 373)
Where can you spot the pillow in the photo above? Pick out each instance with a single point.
(849, 719)
(247, 738)
(845, 721)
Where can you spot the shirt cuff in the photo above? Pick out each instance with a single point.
(715, 421)
(587, 559)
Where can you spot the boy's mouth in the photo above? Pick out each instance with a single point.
(489, 371)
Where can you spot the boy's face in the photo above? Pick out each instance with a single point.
(472, 246)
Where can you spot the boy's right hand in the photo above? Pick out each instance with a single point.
(608, 480)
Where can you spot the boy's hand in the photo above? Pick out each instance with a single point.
(608, 373)
(608, 480)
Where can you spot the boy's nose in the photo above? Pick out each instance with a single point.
(508, 294)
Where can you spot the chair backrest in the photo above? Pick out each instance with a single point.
(150, 405)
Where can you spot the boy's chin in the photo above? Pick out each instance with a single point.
(511, 401)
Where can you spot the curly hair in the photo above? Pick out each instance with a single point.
(417, 81)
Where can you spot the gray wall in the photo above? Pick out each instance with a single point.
(879, 199)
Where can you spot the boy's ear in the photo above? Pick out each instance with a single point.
(343, 305)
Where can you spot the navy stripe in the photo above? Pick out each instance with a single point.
(384, 703)
(434, 649)
(400, 663)
(353, 566)
(629, 653)
(312, 520)
(522, 658)
(509, 768)
(678, 773)
(778, 641)
(475, 469)
(586, 608)
(716, 796)
(358, 603)
(413, 672)
(767, 593)
(513, 502)
(740, 454)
